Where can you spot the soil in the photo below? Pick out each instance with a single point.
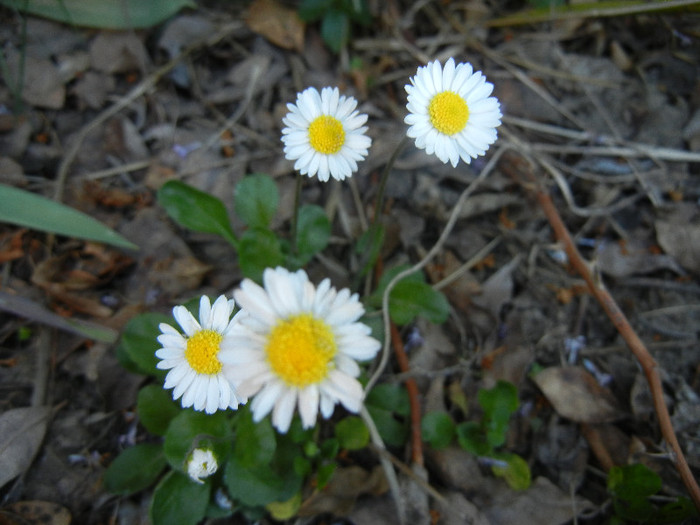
(604, 112)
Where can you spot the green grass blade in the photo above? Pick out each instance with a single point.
(39, 213)
(105, 14)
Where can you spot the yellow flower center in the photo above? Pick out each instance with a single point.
(326, 135)
(202, 351)
(300, 350)
(448, 112)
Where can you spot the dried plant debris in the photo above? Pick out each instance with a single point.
(603, 111)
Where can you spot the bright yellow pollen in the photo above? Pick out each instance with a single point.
(202, 351)
(300, 350)
(448, 112)
(326, 135)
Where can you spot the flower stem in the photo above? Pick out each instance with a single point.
(295, 214)
(385, 176)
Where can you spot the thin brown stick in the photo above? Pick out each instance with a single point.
(623, 326)
(412, 389)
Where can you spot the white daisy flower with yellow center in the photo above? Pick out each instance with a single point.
(324, 134)
(201, 464)
(196, 373)
(295, 344)
(451, 112)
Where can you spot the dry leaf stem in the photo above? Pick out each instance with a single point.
(412, 389)
(623, 326)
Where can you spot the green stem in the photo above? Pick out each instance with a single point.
(295, 215)
(385, 176)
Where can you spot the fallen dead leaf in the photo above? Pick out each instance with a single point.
(277, 23)
(609, 444)
(679, 236)
(575, 394)
(346, 485)
(42, 85)
(116, 52)
(542, 504)
(21, 433)
(632, 258)
(36, 513)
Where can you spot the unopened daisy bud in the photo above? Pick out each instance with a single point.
(202, 464)
(451, 112)
(324, 134)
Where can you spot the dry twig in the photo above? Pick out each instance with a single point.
(618, 318)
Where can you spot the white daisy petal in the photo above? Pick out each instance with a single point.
(305, 358)
(197, 375)
(323, 132)
(464, 117)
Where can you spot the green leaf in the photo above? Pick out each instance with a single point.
(195, 209)
(391, 397)
(369, 246)
(139, 341)
(255, 442)
(105, 14)
(135, 469)
(635, 481)
(313, 232)
(256, 199)
(260, 485)
(258, 249)
(498, 403)
(392, 431)
(284, 510)
(156, 409)
(190, 430)
(471, 438)
(312, 10)
(411, 297)
(325, 473)
(178, 500)
(438, 429)
(335, 29)
(352, 433)
(30, 210)
(516, 471)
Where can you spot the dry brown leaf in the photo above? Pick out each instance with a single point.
(575, 394)
(679, 236)
(21, 433)
(42, 86)
(542, 504)
(346, 485)
(618, 260)
(609, 444)
(116, 52)
(37, 513)
(277, 23)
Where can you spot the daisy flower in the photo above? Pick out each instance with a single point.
(196, 374)
(297, 345)
(450, 111)
(202, 464)
(324, 134)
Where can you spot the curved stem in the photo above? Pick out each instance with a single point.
(424, 261)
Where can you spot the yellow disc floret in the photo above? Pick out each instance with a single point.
(326, 135)
(448, 112)
(300, 350)
(202, 352)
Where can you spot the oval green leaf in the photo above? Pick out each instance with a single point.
(352, 433)
(195, 209)
(438, 429)
(191, 429)
(135, 469)
(256, 199)
(177, 500)
(156, 409)
(139, 341)
(313, 232)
